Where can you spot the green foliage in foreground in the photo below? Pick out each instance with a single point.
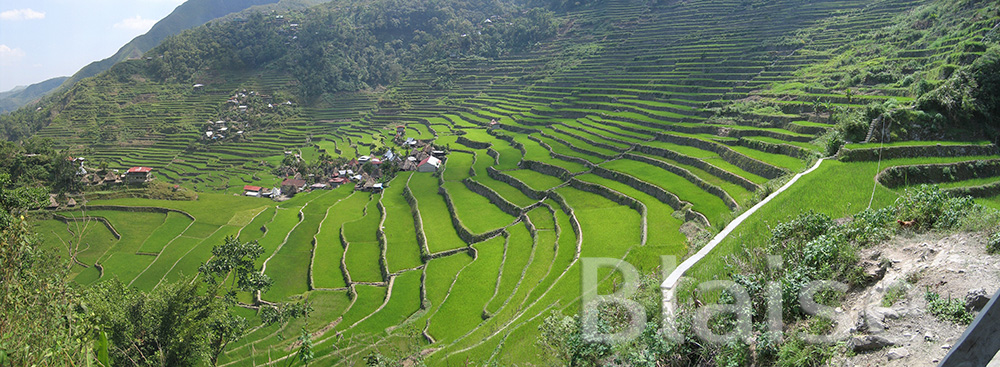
(947, 309)
(813, 247)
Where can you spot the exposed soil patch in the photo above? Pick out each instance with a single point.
(952, 265)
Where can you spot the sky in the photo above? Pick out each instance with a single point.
(43, 39)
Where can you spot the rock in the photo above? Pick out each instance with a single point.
(897, 353)
(886, 313)
(871, 320)
(976, 299)
(946, 346)
(867, 343)
(874, 270)
(928, 336)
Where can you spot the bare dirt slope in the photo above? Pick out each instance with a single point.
(953, 265)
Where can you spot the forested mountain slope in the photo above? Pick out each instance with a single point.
(618, 129)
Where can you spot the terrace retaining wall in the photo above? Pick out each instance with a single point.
(937, 173)
(136, 209)
(509, 139)
(575, 149)
(645, 187)
(516, 183)
(472, 144)
(700, 164)
(418, 224)
(494, 198)
(382, 243)
(67, 219)
(555, 155)
(872, 154)
(592, 142)
(687, 175)
(728, 154)
(548, 169)
(783, 149)
(463, 232)
(982, 191)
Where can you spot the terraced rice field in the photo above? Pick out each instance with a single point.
(608, 157)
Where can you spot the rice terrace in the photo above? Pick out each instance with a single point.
(419, 182)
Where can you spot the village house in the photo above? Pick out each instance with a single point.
(138, 175)
(292, 186)
(250, 190)
(429, 164)
(337, 181)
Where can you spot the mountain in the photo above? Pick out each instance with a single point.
(17, 97)
(571, 130)
(188, 15)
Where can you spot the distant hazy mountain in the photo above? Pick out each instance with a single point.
(188, 15)
(191, 14)
(20, 96)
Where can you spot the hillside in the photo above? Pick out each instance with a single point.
(186, 16)
(14, 99)
(626, 129)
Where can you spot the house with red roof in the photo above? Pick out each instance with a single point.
(429, 164)
(250, 190)
(138, 175)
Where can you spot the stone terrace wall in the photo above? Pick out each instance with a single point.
(937, 173)
(700, 164)
(872, 154)
(728, 154)
(711, 189)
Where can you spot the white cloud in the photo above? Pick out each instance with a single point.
(21, 14)
(9, 55)
(137, 23)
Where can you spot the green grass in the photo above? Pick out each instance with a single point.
(609, 229)
(475, 211)
(441, 235)
(710, 205)
(663, 230)
(518, 253)
(853, 181)
(463, 309)
(402, 250)
(535, 180)
(368, 299)
(404, 301)
(326, 261)
(289, 267)
(363, 261)
(458, 165)
(174, 224)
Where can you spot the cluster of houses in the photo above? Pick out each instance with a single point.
(366, 173)
(237, 106)
(92, 177)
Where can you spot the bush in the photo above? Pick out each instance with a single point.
(993, 243)
(949, 309)
(895, 293)
(929, 207)
(796, 352)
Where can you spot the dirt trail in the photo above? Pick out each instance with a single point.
(951, 265)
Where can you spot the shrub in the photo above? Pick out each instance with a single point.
(929, 207)
(798, 353)
(993, 243)
(949, 309)
(895, 293)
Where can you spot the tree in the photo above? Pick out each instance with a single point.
(232, 260)
(36, 322)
